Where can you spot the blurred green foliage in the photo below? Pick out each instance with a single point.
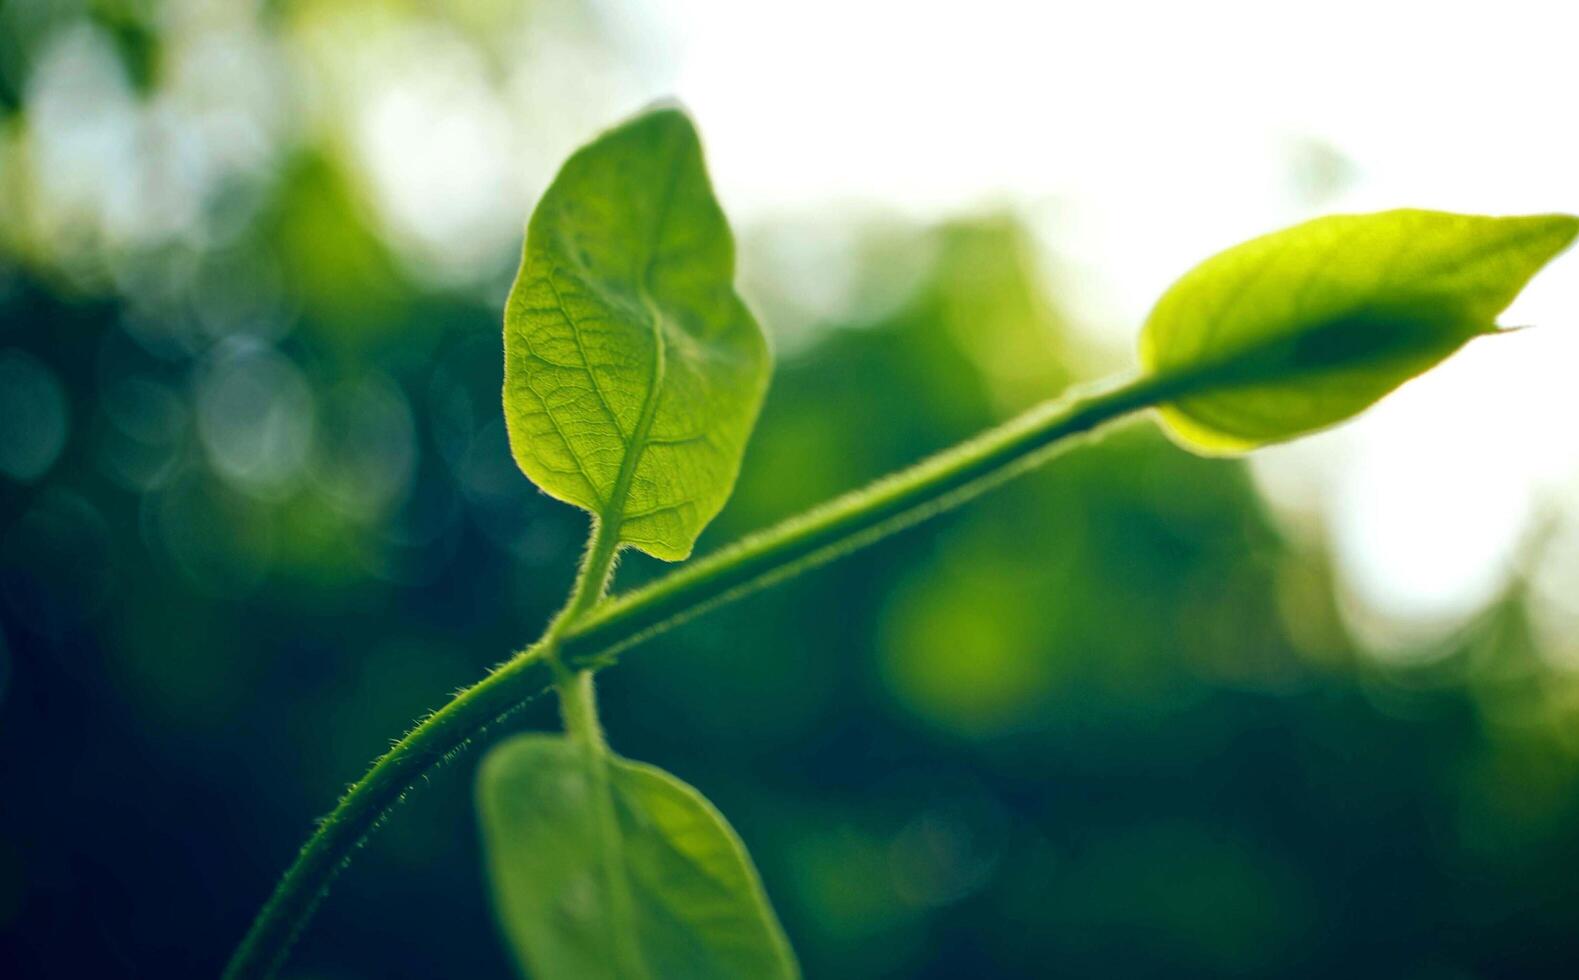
(257, 512)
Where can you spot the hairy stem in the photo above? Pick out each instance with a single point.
(578, 706)
(433, 740)
(592, 581)
(859, 518)
(578, 701)
(590, 633)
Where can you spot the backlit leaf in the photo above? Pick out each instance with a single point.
(633, 370)
(605, 869)
(1308, 326)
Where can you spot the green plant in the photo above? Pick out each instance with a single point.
(634, 373)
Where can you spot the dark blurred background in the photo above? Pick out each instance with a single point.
(257, 513)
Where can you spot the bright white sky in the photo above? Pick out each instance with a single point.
(1144, 136)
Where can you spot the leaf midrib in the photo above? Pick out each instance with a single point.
(614, 508)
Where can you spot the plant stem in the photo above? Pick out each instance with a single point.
(578, 702)
(433, 740)
(859, 518)
(588, 635)
(597, 567)
(578, 706)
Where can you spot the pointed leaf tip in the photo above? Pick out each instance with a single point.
(1306, 327)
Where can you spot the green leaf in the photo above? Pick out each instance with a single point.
(605, 868)
(1308, 326)
(633, 371)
